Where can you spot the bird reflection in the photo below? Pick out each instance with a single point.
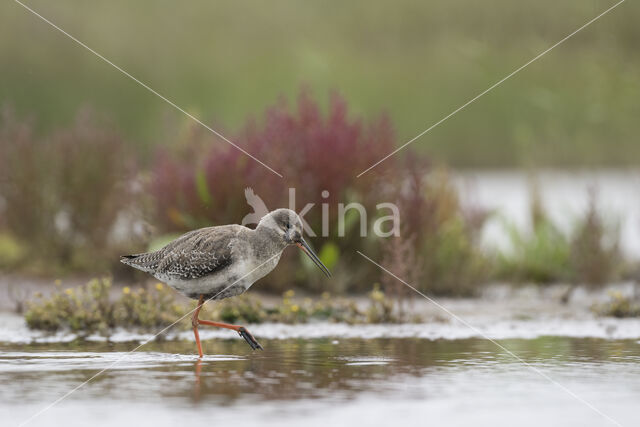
(196, 390)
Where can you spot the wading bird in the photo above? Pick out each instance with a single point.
(214, 263)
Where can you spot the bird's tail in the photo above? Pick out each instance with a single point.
(145, 262)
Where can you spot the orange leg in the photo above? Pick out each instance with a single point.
(241, 330)
(195, 322)
(220, 325)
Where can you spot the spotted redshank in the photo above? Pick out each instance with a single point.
(214, 263)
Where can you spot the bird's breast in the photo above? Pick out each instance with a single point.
(256, 269)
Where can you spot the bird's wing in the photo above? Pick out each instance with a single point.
(198, 254)
(193, 255)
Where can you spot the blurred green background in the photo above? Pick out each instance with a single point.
(418, 61)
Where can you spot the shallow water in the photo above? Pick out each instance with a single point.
(324, 381)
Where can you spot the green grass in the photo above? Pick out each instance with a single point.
(224, 61)
(543, 256)
(588, 255)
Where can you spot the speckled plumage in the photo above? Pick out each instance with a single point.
(219, 262)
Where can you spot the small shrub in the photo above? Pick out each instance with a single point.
(381, 309)
(89, 308)
(617, 306)
(401, 258)
(445, 257)
(85, 308)
(595, 254)
(242, 309)
(147, 308)
(289, 311)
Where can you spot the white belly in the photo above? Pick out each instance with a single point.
(233, 280)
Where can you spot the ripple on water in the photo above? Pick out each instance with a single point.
(366, 360)
(55, 361)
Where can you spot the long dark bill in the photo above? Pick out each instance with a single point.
(307, 250)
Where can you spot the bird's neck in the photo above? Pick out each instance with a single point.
(270, 239)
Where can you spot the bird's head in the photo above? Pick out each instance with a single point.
(288, 225)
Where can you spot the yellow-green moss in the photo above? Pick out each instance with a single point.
(617, 306)
(94, 308)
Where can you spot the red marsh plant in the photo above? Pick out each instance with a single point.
(200, 181)
(203, 180)
(63, 192)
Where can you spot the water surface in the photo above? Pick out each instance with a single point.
(323, 381)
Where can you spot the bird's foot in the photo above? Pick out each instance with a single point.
(249, 339)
